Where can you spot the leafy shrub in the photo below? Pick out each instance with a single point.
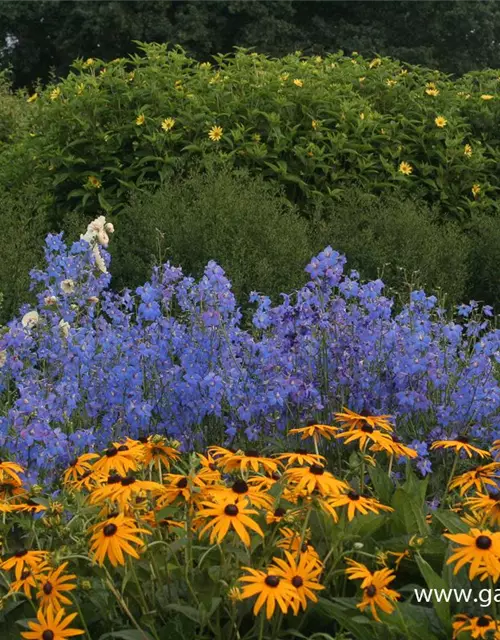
(484, 269)
(243, 223)
(398, 239)
(315, 125)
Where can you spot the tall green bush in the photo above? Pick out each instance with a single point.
(243, 223)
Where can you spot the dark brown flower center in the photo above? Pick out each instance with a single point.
(352, 495)
(112, 451)
(483, 621)
(25, 574)
(110, 530)
(231, 510)
(310, 423)
(275, 475)
(463, 439)
(21, 553)
(272, 581)
(252, 453)
(156, 451)
(297, 581)
(371, 591)
(212, 466)
(301, 452)
(240, 486)
(123, 447)
(143, 439)
(48, 635)
(366, 428)
(483, 542)
(114, 478)
(126, 482)
(47, 588)
(279, 512)
(317, 469)
(74, 462)
(86, 474)
(182, 483)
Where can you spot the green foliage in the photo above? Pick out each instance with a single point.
(454, 36)
(399, 240)
(243, 223)
(314, 125)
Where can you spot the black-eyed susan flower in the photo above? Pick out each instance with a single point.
(376, 593)
(277, 515)
(29, 579)
(167, 124)
(240, 492)
(459, 444)
(480, 549)
(249, 460)
(270, 589)
(79, 466)
(366, 433)
(114, 537)
(300, 457)
(215, 133)
(394, 448)
(459, 621)
(292, 541)
(356, 503)
(486, 506)
(440, 121)
(50, 626)
(478, 478)
(479, 626)
(225, 516)
(302, 575)
(88, 481)
(53, 588)
(120, 458)
(9, 472)
(315, 431)
(158, 452)
(353, 420)
(122, 490)
(315, 478)
(24, 559)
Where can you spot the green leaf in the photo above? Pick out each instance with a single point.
(189, 612)
(382, 484)
(408, 516)
(451, 521)
(128, 634)
(434, 581)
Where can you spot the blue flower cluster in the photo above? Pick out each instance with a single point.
(89, 365)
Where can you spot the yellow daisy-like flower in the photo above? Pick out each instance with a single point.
(477, 478)
(486, 506)
(298, 83)
(432, 91)
(94, 182)
(122, 490)
(315, 478)
(78, 466)
(468, 150)
(239, 492)
(314, 124)
(249, 460)
(168, 124)
(158, 452)
(440, 121)
(114, 537)
(375, 588)
(88, 62)
(487, 96)
(292, 541)
(376, 62)
(302, 575)
(29, 579)
(478, 627)
(55, 93)
(405, 168)
(393, 447)
(32, 98)
(51, 594)
(24, 559)
(9, 472)
(140, 120)
(480, 548)
(476, 190)
(356, 503)
(351, 419)
(226, 516)
(271, 589)
(51, 627)
(461, 443)
(121, 458)
(215, 133)
(315, 430)
(300, 457)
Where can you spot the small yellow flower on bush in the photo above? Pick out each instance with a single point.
(55, 93)
(487, 96)
(33, 98)
(467, 150)
(94, 182)
(298, 83)
(168, 124)
(476, 190)
(405, 168)
(440, 121)
(88, 63)
(376, 62)
(140, 120)
(314, 124)
(215, 133)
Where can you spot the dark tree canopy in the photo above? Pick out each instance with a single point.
(44, 36)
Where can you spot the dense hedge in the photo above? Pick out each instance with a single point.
(315, 125)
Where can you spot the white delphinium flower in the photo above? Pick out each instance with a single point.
(50, 300)
(65, 327)
(3, 358)
(30, 319)
(67, 286)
